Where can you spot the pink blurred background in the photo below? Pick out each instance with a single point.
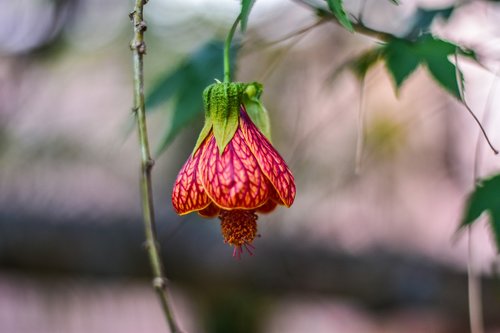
(376, 251)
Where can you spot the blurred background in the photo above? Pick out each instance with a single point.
(372, 251)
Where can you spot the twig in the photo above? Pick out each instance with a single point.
(484, 120)
(361, 128)
(251, 47)
(473, 280)
(357, 26)
(462, 97)
(139, 49)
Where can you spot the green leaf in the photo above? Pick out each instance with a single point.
(445, 73)
(403, 57)
(246, 8)
(188, 106)
(184, 86)
(430, 46)
(256, 110)
(362, 64)
(434, 53)
(401, 60)
(337, 9)
(165, 89)
(485, 198)
(396, 2)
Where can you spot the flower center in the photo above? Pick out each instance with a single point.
(239, 228)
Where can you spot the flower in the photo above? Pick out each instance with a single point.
(249, 177)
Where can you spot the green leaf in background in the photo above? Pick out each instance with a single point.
(362, 64)
(402, 57)
(338, 10)
(485, 198)
(185, 86)
(401, 60)
(246, 8)
(445, 73)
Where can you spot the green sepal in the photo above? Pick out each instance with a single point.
(222, 107)
(255, 109)
(203, 134)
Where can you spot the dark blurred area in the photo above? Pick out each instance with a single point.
(375, 251)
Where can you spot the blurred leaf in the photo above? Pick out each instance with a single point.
(445, 73)
(246, 8)
(401, 60)
(485, 198)
(396, 2)
(362, 64)
(185, 85)
(424, 17)
(338, 10)
(403, 57)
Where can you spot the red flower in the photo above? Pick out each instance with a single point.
(249, 177)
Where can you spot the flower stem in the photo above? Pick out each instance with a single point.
(139, 49)
(227, 47)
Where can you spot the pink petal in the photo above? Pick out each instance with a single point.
(188, 194)
(270, 161)
(234, 179)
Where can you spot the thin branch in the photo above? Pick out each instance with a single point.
(484, 120)
(139, 49)
(473, 280)
(357, 26)
(279, 56)
(462, 97)
(361, 129)
(251, 47)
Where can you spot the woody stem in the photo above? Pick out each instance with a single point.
(139, 49)
(227, 47)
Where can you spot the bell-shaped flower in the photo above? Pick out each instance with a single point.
(247, 178)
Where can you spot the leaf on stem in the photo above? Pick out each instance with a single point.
(401, 60)
(485, 199)
(337, 9)
(402, 57)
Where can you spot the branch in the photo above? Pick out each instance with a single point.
(139, 49)
(464, 102)
(358, 26)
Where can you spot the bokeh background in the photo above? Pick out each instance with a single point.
(370, 251)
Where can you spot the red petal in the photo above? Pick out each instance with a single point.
(210, 211)
(268, 207)
(233, 180)
(188, 194)
(270, 161)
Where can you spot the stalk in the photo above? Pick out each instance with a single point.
(152, 246)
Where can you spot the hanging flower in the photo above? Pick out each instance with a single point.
(247, 178)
